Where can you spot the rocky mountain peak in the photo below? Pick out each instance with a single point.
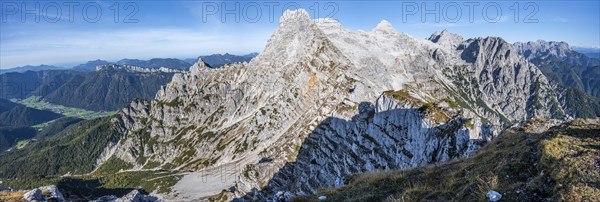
(296, 36)
(484, 50)
(198, 67)
(384, 27)
(294, 16)
(446, 38)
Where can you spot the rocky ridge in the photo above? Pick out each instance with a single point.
(309, 72)
(322, 102)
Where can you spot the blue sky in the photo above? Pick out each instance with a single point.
(185, 29)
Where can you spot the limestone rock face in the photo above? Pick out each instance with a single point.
(322, 102)
(446, 38)
(377, 138)
(498, 73)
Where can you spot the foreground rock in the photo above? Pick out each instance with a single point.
(133, 196)
(46, 193)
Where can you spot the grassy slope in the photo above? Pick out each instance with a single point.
(562, 164)
(74, 151)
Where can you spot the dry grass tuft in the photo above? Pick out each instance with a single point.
(16, 196)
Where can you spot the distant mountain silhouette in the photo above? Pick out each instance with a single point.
(31, 68)
(218, 60)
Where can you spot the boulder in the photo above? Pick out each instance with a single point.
(34, 195)
(52, 193)
(493, 196)
(108, 198)
(136, 196)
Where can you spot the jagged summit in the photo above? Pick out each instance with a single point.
(446, 38)
(199, 66)
(384, 27)
(435, 37)
(296, 36)
(294, 16)
(502, 50)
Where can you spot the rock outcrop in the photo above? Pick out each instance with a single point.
(45, 193)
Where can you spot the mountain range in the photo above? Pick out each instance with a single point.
(31, 68)
(320, 105)
(153, 63)
(218, 60)
(560, 63)
(590, 52)
(35, 83)
(215, 60)
(107, 89)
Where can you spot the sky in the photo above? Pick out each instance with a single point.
(66, 33)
